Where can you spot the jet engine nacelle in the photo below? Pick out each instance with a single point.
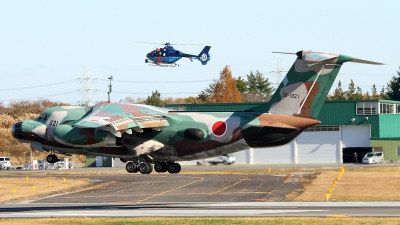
(83, 137)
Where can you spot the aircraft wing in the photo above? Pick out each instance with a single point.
(117, 120)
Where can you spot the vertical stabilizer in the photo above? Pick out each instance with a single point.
(304, 89)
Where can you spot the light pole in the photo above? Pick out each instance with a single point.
(109, 88)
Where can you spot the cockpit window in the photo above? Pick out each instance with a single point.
(41, 117)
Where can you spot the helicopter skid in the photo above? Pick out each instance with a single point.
(152, 63)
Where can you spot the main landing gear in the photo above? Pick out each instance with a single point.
(145, 167)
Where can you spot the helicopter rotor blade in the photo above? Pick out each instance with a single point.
(186, 44)
(289, 53)
(143, 42)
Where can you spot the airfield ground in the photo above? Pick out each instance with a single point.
(358, 183)
(204, 221)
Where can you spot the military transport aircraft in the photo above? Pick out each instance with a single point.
(143, 135)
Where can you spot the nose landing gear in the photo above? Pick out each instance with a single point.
(51, 158)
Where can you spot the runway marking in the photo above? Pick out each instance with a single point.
(161, 193)
(238, 182)
(338, 216)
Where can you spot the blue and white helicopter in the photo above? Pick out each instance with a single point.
(168, 56)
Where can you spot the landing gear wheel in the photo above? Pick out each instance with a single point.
(51, 159)
(174, 168)
(150, 168)
(178, 167)
(160, 167)
(145, 168)
(131, 167)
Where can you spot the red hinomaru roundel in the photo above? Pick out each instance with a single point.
(219, 128)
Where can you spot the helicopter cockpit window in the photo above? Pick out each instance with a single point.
(41, 117)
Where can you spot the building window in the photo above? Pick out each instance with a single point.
(387, 108)
(322, 128)
(367, 108)
(398, 150)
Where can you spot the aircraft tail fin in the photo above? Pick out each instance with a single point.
(204, 57)
(304, 89)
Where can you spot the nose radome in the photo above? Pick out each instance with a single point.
(28, 129)
(16, 130)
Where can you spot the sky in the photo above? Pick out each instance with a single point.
(45, 46)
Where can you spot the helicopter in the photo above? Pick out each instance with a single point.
(168, 56)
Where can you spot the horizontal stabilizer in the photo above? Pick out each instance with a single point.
(289, 53)
(366, 62)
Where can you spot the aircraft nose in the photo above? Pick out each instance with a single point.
(16, 130)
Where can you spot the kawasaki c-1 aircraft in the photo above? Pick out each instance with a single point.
(143, 135)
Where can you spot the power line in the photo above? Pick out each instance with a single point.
(38, 86)
(147, 93)
(44, 96)
(133, 81)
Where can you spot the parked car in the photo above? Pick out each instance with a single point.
(227, 159)
(373, 157)
(5, 163)
(42, 164)
(27, 166)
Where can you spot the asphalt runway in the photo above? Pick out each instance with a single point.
(257, 194)
(139, 188)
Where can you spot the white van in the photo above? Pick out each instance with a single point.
(373, 157)
(226, 159)
(5, 163)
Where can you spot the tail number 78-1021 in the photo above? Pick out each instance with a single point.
(291, 95)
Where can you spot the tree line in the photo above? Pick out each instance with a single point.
(255, 87)
(391, 92)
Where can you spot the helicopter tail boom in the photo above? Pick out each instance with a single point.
(204, 57)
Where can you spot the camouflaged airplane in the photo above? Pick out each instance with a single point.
(143, 135)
